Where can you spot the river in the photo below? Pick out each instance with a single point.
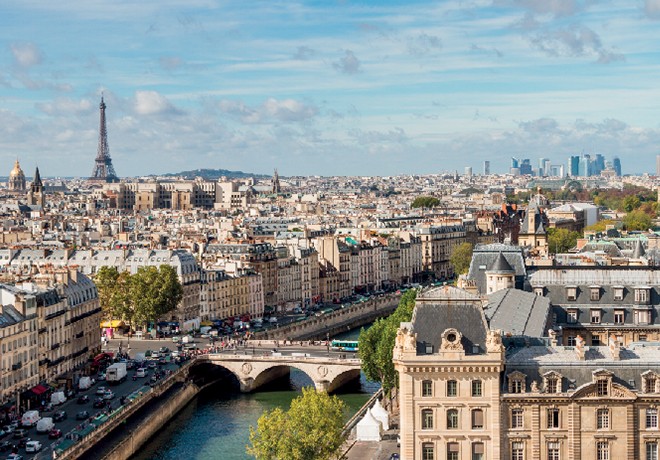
(217, 423)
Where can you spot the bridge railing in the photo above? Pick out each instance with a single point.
(269, 356)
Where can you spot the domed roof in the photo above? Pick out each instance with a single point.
(17, 171)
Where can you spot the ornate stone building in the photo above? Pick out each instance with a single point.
(17, 179)
(467, 393)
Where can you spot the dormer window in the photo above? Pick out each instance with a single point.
(650, 382)
(552, 382)
(618, 292)
(603, 381)
(642, 316)
(571, 316)
(516, 382)
(602, 387)
(571, 292)
(538, 290)
(642, 294)
(594, 292)
(595, 316)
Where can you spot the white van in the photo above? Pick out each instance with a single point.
(30, 418)
(57, 398)
(45, 425)
(141, 372)
(84, 383)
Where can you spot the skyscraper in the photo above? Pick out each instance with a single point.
(486, 168)
(616, 165)
(573, 165)
(103, 169)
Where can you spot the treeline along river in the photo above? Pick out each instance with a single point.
(216, 423)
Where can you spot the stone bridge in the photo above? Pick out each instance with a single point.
(253, 371)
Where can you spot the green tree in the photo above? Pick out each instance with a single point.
(377, 343)
(105, 280)
(425, 202)
(637, 220)
(310, 429)
(561, 240)
(460, 258)
(630, 203)
(600, 226)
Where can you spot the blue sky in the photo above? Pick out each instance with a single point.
(327, 87)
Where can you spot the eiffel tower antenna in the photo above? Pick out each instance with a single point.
(103, 169)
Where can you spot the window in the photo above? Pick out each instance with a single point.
(642, 338)
(603, 419)
(572, 316)
(477, 419)
(570, 341)
(452, 419)
(594, 293)
(642, 317)
(553, 451)
(595, 340)
(517, 420)
(571, 293)
(553, 418)
(516, 386)
(618, 316)
(478, 451)
(595, 316)
(650, 384)
(602, 386)
(452, 388)
(641, 295)
(428, 452)
(651, 451)
(602, 450)
(517, 451)
(452, 451)
(476, 388)
(427, 388)
(427, 419)
(552, 384)
(652, 417)
(618, 293)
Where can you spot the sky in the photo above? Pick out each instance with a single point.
(328, 87)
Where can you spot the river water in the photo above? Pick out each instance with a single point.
(216, 424)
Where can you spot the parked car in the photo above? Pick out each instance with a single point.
(84, 399)
(55, 434)
(59, 416)
(82, 415)
(33, 446)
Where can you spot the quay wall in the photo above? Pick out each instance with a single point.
(137, 438)
(333, 323)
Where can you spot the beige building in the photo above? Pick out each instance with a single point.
(227, 296)
(438, 243)
(463, 398)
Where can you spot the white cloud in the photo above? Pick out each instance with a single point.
(652, 8)
(26, 54)
(153, 103)
(66, 106)
(573, 41)
(270, 111)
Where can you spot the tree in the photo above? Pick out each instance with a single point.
(425, 202)
(600, 226)
(377, 343)
(310, 429)
(105, 280)
(637, 220)
(460, 258)
(561, 240)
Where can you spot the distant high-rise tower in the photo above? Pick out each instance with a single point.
(276, 183)
(657, 165)
(486, 168)
(573, 165)
(468, 171)
(616, 165)
(103, 169)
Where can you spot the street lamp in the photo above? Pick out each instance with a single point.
(327, 342)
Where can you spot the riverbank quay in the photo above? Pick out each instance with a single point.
(91, 432)
(332, 323)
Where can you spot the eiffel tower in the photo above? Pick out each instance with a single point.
(103, 169)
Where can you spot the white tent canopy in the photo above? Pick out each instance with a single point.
(368, 429)
(380, 414)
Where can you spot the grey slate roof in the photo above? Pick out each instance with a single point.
(501, 265)
(449, 307)
(485, 255)
(518, 313)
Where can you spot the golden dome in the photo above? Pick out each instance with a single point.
(17, 171)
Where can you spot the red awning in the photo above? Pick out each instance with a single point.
(39, 389)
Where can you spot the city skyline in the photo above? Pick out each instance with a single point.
(313, 88)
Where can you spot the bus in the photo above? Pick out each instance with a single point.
(344, 345)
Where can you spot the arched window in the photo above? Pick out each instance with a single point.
(427, 419)
(452, 419)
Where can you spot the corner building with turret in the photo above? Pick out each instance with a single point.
(469, 389)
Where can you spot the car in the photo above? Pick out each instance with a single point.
(164, 350)
(98, 403)
(33, 446)
(152, 365)
(59, 416)
(20, 433)
(101, 391)
(108, 395)
(14, 456)
(175, 339)
(55, 434)
(141, 372)
(82, 415)
(101, 376)
(5, 446)
(130, 364)
(84, 399)
(23, 442)
(8, 429)
(394, 456)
